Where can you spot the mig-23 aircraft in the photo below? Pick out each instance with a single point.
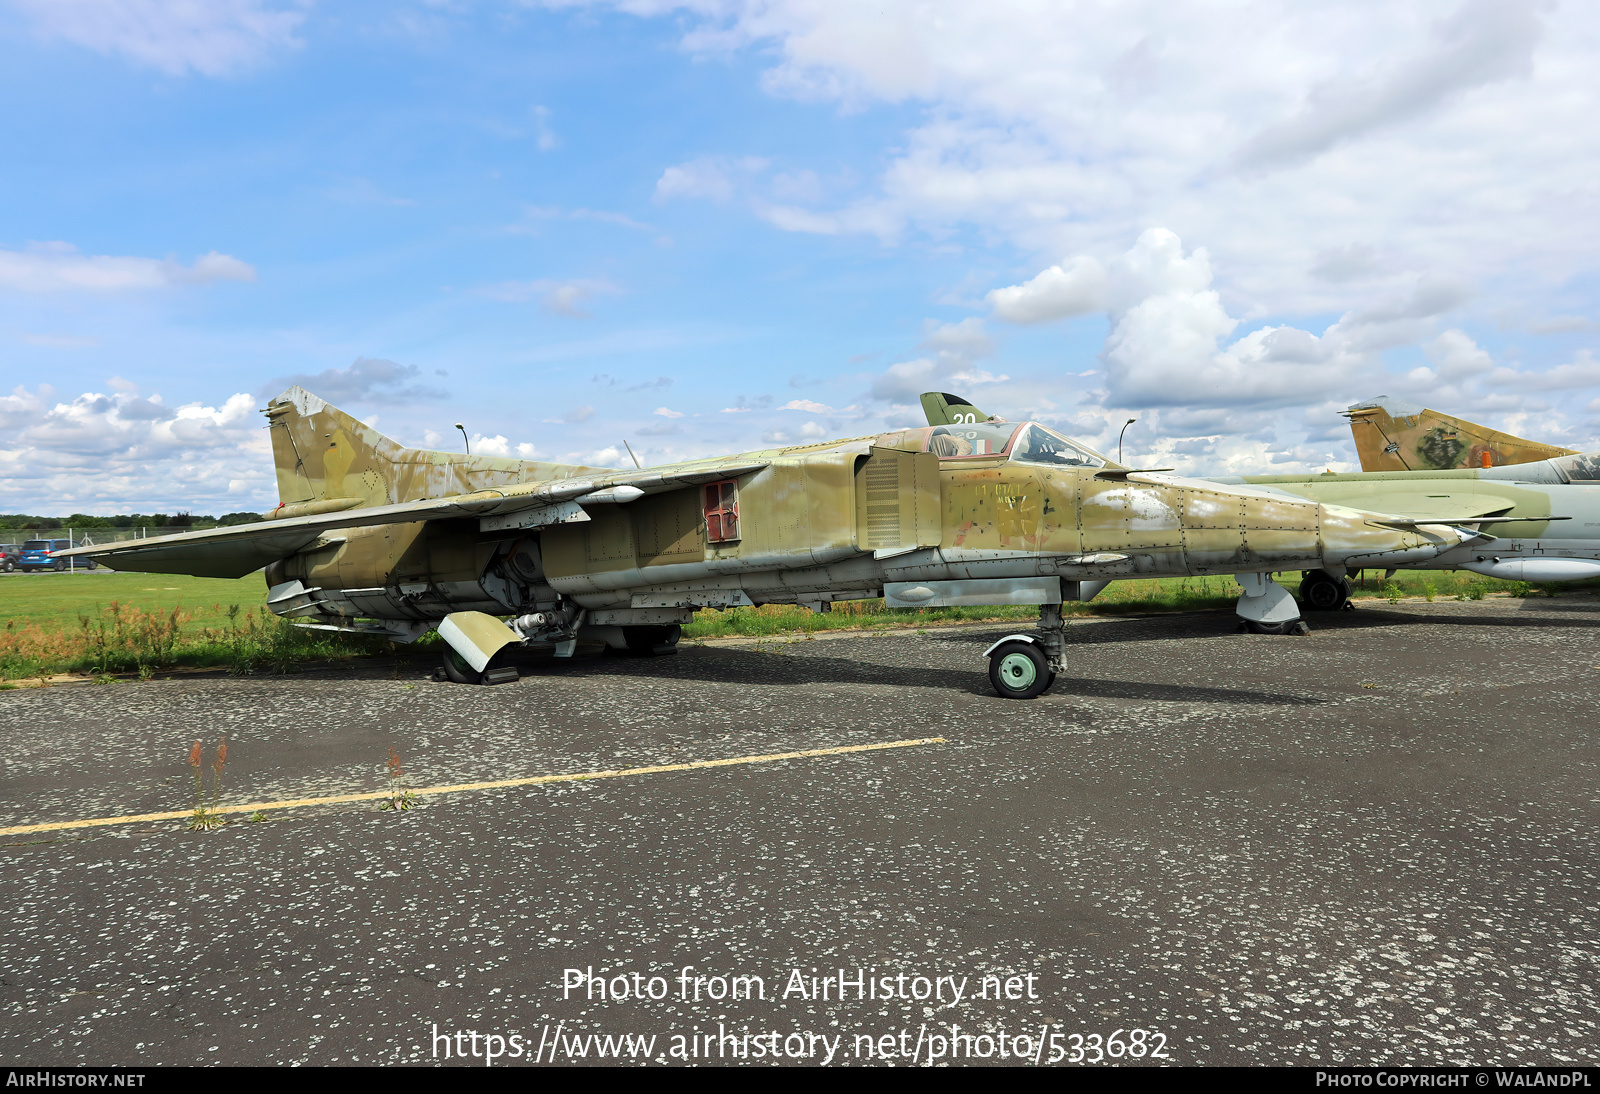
(372, 537)
(1546, 508)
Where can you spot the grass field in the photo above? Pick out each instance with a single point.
(103, 623)
(112, 623)
(40, 598)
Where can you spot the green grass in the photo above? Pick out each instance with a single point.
(41, 598)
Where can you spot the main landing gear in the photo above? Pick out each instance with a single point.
(637, 641)
(458, 671)
(1320, 591)
(1023, 666)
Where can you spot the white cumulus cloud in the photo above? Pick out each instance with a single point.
(1172, 341)
(125, 453)
(1075, 287)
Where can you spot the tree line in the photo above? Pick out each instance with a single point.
(25, 522)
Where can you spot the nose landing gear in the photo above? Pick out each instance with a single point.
(1023, 666)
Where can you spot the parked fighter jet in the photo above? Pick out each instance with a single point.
(1393, 435)
(1527, 500)
(372, 537)
(1547, 510)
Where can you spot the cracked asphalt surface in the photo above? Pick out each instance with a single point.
(1372, 845)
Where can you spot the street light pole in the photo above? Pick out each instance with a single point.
(1125, 426)
(468, 443)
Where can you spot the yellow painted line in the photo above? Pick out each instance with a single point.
(535, 780)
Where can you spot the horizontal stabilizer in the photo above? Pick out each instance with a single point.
(195, 554)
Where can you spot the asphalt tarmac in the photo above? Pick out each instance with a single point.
(1371, 845)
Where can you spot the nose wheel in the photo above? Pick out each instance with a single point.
(1019, 670)
(1023, 666)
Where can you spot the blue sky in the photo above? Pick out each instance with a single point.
(716, 225)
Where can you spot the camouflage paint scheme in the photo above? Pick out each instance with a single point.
(374, 536)
(1566, 487)
(1527, 479)
(1392, 435)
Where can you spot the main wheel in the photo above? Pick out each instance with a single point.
(1019, 670)
(457, 669)
(1322, 592)
(652, 641)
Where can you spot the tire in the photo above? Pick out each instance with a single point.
(652, 641)
(91, 565)
(59, 566)
(458, 671)
(1292, 626)
(1322, 592)
(1019, 670)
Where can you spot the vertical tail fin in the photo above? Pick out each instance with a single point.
(1393, 435)
(326, 461)
(942, 408)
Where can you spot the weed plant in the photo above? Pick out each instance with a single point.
(400, 795)
(206, 815)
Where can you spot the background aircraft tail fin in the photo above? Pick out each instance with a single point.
(327, 461)
(1393, 435)
(942, 408)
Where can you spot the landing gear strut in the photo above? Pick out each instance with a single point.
(1022, 666)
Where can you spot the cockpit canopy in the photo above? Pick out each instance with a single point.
(1028, 442)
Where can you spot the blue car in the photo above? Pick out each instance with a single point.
(39, 554)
